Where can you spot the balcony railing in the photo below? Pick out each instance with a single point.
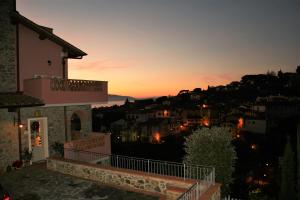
(75, 85)
(66, 91)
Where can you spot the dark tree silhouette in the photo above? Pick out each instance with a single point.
(287, 186)
(298, 70)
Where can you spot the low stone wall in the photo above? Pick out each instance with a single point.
(212, 193)
(132, 180)
(91, 141)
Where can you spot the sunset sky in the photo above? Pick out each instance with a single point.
(157, 47)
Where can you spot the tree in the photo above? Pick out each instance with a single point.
(298, 70)
(212, 147)
(298, 160)
(287, 186)
(197, 90)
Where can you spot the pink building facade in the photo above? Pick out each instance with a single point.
(35, 68)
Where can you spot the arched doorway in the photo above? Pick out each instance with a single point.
(75, 126)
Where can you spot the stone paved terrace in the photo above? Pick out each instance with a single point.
(38, 183)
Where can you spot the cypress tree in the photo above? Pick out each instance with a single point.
(298, 160)
(287, 187)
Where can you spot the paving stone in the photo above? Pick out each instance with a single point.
(39, 183)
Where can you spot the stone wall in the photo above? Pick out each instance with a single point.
(213, 193)
(8, 73)
(128, 179)
(55, 119)
(56, 122)
(9, 142)
(85, 114)
(9, 148)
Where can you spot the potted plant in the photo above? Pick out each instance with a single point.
(27, 157)
(58, 148)
(17, 164)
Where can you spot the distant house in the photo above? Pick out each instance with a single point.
(39, 104)
(137, 115)
(255, 125)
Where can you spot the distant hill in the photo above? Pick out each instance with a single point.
(115, 97)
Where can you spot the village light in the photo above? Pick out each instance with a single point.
(157, 137)
(253, 146)
(240, 123)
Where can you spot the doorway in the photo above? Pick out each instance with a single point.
(38, 138)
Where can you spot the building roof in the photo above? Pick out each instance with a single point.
(45, 32)
(11, 100)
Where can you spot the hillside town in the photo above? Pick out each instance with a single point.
(261, 111)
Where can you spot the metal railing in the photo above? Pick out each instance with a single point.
(181, 170)
(193, 193)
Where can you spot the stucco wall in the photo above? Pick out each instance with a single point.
(255, 126)
(8, 74)
(34, 54)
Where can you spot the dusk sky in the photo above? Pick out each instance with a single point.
(157, 47)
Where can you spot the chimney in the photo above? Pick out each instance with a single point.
(8, 55)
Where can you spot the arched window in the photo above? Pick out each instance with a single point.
(75, 122)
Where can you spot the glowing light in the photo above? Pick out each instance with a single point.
(240, 123)
(204, 106)
(249, 179)
(157, 137)
(205, 122)
(265, 175)
(267, 164)
(165, 113)
(238, 136)
(253, 146)
(21, 125)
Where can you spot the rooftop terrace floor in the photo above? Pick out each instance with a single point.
(38, 183)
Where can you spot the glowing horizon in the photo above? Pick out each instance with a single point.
(147, 48)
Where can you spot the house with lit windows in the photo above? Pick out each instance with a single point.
(39, 104)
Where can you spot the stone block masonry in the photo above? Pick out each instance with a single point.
(56, 123)
(8, 72)
(9, 148)
(128, 179)
(9, 142)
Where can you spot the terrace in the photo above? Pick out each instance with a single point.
(86, 172)
(38, 183)
(61, 91)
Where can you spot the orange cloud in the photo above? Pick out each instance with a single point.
(100, 65)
